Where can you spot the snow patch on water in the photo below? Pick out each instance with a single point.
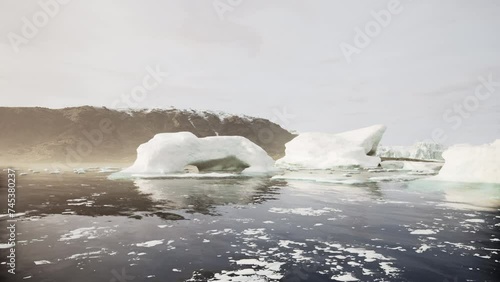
(475, 220)
(285, 243)
(302, 211)
(345, 277)
(150, 244)
(41, 262)
(423, 248)
(423, 232)
(88, 255)
(86, 232)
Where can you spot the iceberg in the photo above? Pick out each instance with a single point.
(468, 163)
(177, 152)
(327, 150)
(420, 151)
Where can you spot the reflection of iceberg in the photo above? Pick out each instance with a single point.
(172, 152)
(320, 183)
(202, 195)
(476, 196)
(467, 163)
(481, 196)
(325, 150)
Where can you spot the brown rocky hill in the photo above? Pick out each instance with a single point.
(91, 134)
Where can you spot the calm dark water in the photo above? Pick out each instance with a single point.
(88, 228)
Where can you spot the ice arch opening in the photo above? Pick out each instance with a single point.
(230, 164)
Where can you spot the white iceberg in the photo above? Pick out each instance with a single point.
(420, 150)
(168, 153)
(468, 163)
(326, 150)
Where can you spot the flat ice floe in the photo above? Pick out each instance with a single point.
(326, 150)
(344, 277)
(319, 178)
(79, 171)
(91, 254)
(423, 232)
(188, 175)
(153, 243)
(355, 177)
(402, 177)
(475, 220)
(108, 169)
(86, 233)
(302, 211)
(41, 262)
(422, 248)
(168, 153)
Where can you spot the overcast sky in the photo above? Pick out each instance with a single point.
(280, 60)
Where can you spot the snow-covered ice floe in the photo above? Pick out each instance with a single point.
(108, 169)
(415, 167)
(468, 163)
(41, 262)
(326, 150)
(150, 244)
(79, 171)
(168, 153)
(362, 176)
(322, 178)
(188, 175)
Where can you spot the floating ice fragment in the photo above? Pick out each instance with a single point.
(149, 244)
(423, 232)
(345, 277)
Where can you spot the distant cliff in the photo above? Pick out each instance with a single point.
(91, 134)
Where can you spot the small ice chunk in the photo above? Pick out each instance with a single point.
(423, 248)
(150, 244)
(475, 220)
(423, 232)
(345, 277)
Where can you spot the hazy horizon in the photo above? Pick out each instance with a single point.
(282, 61)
